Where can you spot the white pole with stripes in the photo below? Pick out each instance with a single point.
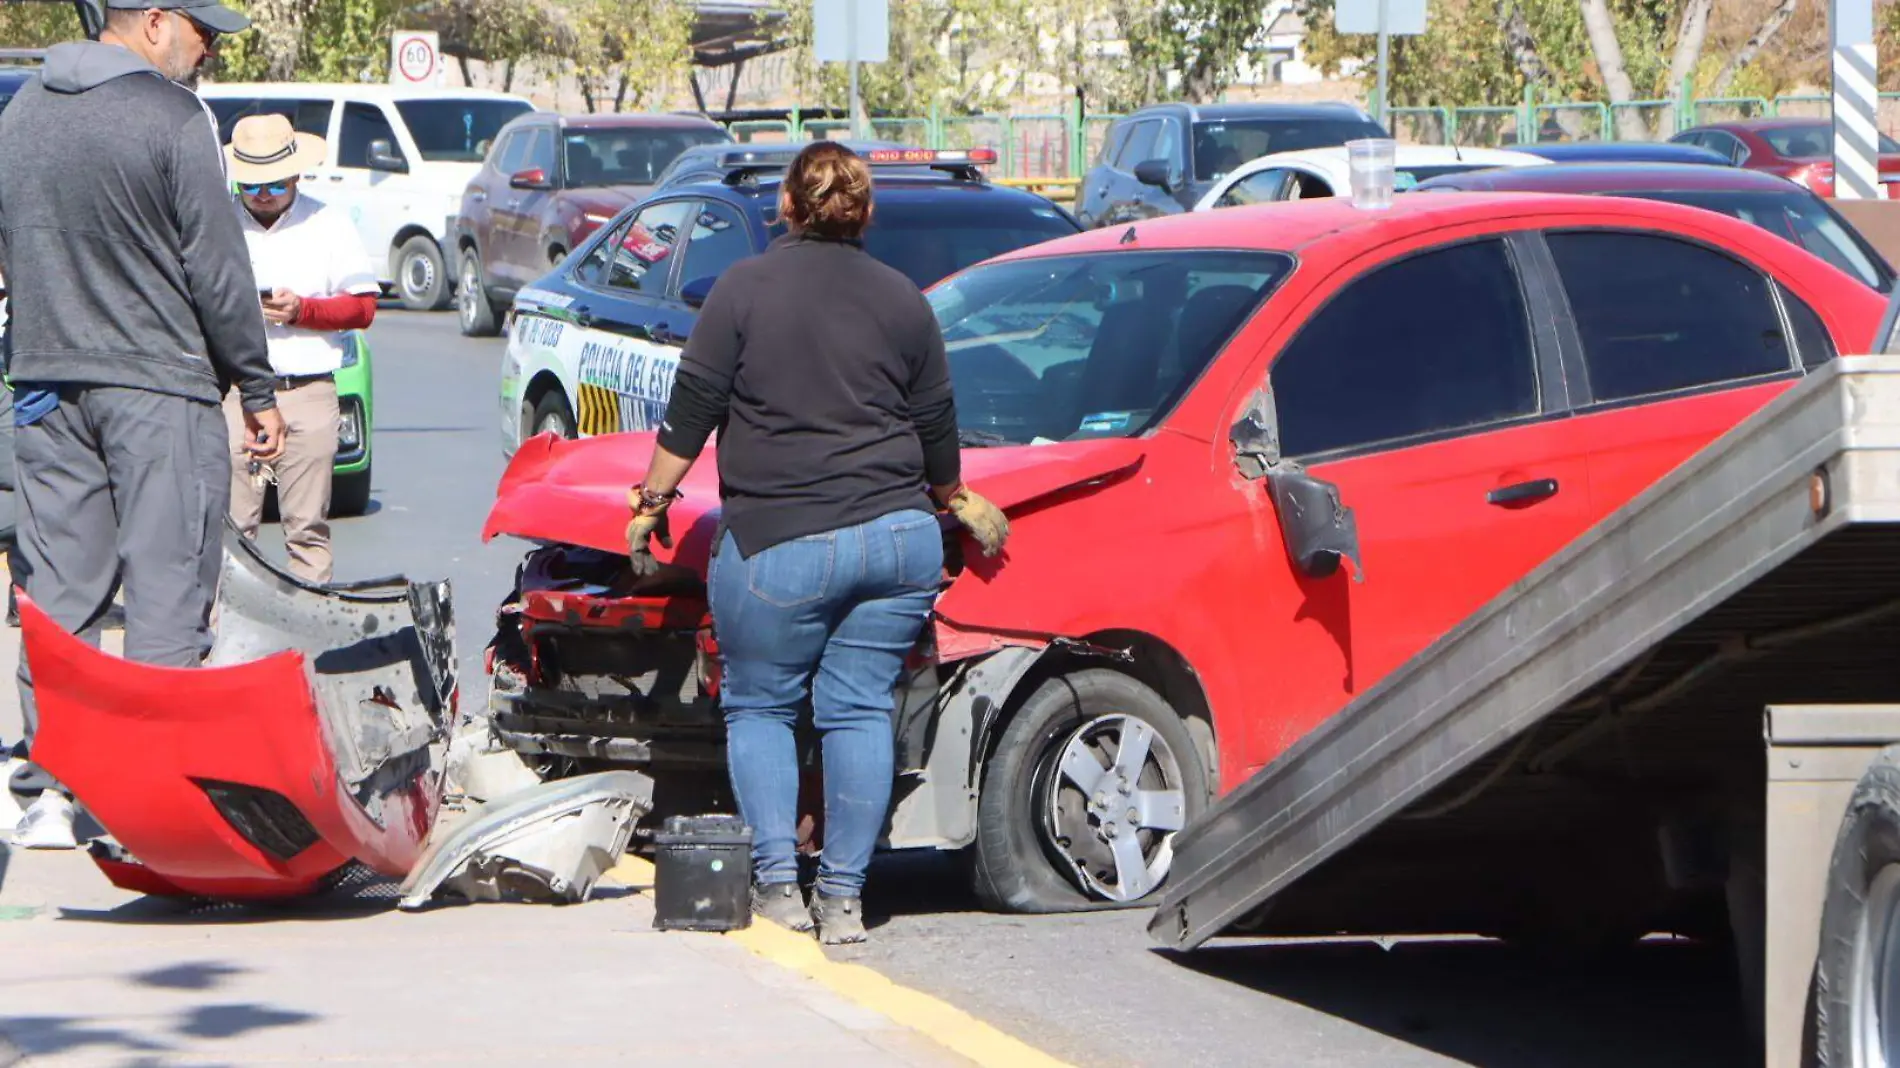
(1856, 101)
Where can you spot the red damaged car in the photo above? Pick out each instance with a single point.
(1253, 460)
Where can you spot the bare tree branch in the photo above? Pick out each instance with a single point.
(1690, 33)
(1745, 55)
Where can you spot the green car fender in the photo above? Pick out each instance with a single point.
(356, 408)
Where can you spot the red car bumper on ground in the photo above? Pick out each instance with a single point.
(313, 738)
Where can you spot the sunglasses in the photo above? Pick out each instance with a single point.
(275, 189)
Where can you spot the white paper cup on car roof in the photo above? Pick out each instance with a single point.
(1372, 163)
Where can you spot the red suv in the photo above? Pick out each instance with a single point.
(547, 183)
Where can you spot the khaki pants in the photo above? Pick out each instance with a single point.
(303, 475)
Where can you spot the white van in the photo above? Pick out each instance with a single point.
(399, 161)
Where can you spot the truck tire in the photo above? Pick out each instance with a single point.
(1045, 844)
(422, 279)
(475, 312)
(551, 413)
(1857, 978)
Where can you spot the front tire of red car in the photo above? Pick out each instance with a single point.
(1082, 797)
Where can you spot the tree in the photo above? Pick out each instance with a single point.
(642, 50)
(1202, 42)
(1778, 17)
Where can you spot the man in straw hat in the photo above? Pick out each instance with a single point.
(132, 310)
(320, 283)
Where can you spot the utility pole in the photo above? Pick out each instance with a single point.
(851, 46)
(1385, 38)
(1856, 101)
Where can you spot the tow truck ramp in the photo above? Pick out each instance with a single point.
(1596, 731)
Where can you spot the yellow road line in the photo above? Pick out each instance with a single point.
(939, 1021)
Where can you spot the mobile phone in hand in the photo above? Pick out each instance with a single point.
(263, 294)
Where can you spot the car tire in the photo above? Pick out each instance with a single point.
(1858, 973)
(551, 413)
(422, 279)
(1043, 844)
(349, 494)
(472, 306)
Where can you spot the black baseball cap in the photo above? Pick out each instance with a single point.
(210, 14)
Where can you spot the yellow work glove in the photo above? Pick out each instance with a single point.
(648, 523)
(985, 522)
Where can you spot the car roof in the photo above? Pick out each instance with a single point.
(347, 91)
(1335, 158)
(1612, 178)
(580, 120)
(1324, 109)
(1629, 150)
(906, 185)
(1305, 226)
(1781, 122)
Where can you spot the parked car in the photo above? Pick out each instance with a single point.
(11, 78)
(594, 344)
(356, 414)
(1786, 210)
(1326, 172)
(399, 161)
(1342, 431)
(1622, 152)
(1161, 160)
(704, 162)
(548, 182)
(1800, 150)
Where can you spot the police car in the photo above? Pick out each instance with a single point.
(592, 347)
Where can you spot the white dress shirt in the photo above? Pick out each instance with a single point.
(313, 251)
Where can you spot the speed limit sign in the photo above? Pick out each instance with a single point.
(414, 58)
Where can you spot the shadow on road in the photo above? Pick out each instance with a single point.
(1492, 1006)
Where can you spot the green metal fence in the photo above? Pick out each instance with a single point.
(1802, 106)
(749, 130)
(1585, 121)
(919, 133)
(1420, 126)
(1727, 109)
(1486, 127)
(1039, 146)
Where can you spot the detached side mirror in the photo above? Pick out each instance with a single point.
(384, 157)
(1153, 172)
(1315, 524)
(532, 178)
(695, 292)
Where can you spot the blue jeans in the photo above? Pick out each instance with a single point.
(825, 620)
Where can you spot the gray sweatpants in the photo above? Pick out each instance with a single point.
(121, 485)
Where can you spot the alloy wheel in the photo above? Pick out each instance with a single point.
(1114, 801)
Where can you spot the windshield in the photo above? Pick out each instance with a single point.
(1406, 177)
(1221, 146)
(631, 156)
(1813, 141)
(1101, 345)
(1797, 216)
(930, 240)
(458, 131)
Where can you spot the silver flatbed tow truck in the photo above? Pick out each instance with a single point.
(1687, 721)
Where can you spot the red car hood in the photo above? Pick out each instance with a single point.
(575, 492)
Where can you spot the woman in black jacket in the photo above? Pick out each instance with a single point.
(824, 372)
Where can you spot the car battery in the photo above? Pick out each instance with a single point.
(702, 874)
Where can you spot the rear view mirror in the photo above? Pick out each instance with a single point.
(1153, 172)
(383, 156)
(695, 292)
(532, 178)
(1315, 524)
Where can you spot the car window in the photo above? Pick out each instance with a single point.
(637, 254)
(306, 116)
(719, 240)
(1796, 215)
(929, 238)
(1812, 140)
(539, 152)
(508, 154)
(1167, 147)
(1810, 334)
(1139, 141)
(1658, 314)
(458, 130)
(1112, 143)
(363, 123)
(1436, 342)
(630, 156)
(1063, 348)
(1260, 187)
(1220, 146)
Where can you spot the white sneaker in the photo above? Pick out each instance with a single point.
(10, 812)
(48, 824)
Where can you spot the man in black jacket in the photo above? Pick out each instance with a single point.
(133, 308)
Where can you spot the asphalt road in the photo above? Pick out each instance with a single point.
(1088, 988)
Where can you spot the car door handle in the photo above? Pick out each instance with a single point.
(664, 335)
(582, 317)
(1523, 492)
